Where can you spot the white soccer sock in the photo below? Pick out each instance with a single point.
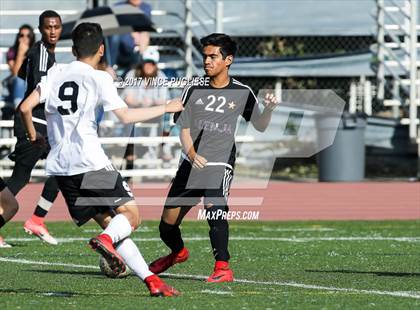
(118, 228)
(133, 258)
(44, 204)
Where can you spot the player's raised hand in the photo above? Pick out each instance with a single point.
(270, 101)
(23, 46)
(174, 105)
(199, 162)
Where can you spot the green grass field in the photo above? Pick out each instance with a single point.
(278, 265)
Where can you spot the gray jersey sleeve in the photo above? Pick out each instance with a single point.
(183, 119)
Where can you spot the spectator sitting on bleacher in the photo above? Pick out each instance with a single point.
(126, 49)
(15, 86)
(16, 54)
(146, 94)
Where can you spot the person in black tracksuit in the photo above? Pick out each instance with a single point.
(39, 59)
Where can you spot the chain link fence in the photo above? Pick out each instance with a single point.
(278, 48)
(301, 46)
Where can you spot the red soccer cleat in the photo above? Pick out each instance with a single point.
(103, 245)
(39, 230)
(164, 262)
(221, 273)
(158, 288)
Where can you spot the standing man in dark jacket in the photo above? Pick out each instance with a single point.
(40, 58)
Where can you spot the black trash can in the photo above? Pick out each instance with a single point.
(344, 160)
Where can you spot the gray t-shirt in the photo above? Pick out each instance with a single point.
(212, 114)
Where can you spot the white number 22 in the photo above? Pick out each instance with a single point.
(219, 109)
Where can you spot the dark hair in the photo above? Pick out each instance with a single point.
(225, 42)
(87, 38)
(47, 14)
(139, 70)
(31, 33)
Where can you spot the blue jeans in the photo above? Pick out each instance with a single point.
(121, 53)
(18, 90)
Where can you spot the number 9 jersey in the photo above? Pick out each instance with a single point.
(74, 96)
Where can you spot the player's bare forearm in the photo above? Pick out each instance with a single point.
(29, 126)
(128, 116)
(187, 143)
(25, 110)
(263, 120)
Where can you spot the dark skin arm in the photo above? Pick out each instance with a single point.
(25, 110)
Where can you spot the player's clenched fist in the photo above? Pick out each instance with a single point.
(199, 162)
(174, 105)
(270, 101)
(38, 140)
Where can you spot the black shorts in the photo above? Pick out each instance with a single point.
(2, 185)
(190, 185)
(90, 193)
(27, 153)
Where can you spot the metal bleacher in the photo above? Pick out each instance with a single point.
(12, 15)
(180, 22)
(398, 29)
(180, 59)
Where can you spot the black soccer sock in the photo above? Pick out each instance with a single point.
(171, 236)
(219, 236)
(129, 156)
(2, 221)
(25, 156)
(49, 194)
(19, 178)
(130, 164)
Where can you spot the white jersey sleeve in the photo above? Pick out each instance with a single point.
(108, 95)
(45, 85)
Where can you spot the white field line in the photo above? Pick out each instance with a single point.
(216, 292)
(406, 294)
(148, 229)
(30, 262)
(138, 230)
(243, 238)
(297, 229)
(53, 294)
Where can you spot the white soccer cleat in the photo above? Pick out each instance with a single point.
(40, 231)
(4, 244)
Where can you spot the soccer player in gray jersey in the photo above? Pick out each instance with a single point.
(208, 125)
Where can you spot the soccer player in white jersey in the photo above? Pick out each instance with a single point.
(73, 95)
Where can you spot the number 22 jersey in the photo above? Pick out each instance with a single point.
(74, 95)
(211, 114)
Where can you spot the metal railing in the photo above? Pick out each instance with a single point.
(217, 19)
(150, 167)
(396, 53)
